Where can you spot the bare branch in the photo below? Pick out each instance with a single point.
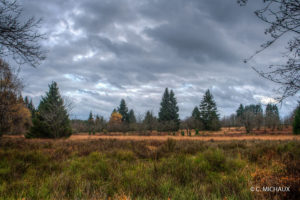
(283, 16)
(18, 39)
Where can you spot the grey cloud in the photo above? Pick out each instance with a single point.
(102, 51)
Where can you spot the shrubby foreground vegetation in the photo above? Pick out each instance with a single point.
(111, 169)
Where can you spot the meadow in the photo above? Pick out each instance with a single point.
(147, 169)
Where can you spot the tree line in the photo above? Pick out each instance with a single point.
(122, 119)
(51, 117)
(252, 116)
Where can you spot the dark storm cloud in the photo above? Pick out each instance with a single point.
(204, 43)
(102, 51)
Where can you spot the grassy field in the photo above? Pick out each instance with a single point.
(147, 169)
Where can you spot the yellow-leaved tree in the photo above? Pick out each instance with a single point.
(115, 121)
(15, 118)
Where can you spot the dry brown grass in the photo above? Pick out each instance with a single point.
(163, 138)
(201, 138)
(142, 167)
(225, 134)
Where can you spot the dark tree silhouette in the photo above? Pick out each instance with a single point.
(52, 118)
(168, 114)
(296, 123)
(131, 116)
(209, 112)
(123, 110)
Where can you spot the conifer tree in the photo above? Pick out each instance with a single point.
(164, 112)
(26, 101)
(51, 119)
(296, 122)
(91, 123)
(168, 113)
(123, 110)
(194, 121)
(149, 121)
(132, 118)
(239, 113)
(196, 113)
(29, 105)
(209, 113)
(174, 110)
(99, 123)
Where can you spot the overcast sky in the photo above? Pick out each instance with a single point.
(101, 51)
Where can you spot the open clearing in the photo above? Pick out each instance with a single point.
(201, 138)
(146, 167)
(225, 134)
(163, 138)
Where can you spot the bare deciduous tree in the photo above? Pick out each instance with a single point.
(283, 17)
(19, 38)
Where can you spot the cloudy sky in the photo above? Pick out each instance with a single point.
(100, 51)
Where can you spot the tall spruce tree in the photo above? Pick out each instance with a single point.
(240, 111)
(150, 121)
(99, 123)
(26, 101)
(131, 117)
(296, 122)
(209, 113)
(196, 113)
(174, 110)
(29, 105)
(168, 113)
(51, 119)
(164, 112)
(123, 110)
(91, 123)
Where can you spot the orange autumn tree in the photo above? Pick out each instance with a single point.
(115, 121)
(21, 118)
(15, 118)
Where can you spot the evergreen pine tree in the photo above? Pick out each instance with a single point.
(240, 114)
(91, 123)
(99, 123)
(168, 113)
(132, 118)
(209, 113)
(29, 105)
(174, 116)
(51, 119)
(240, 111)
(123, 110)
(26, 101)
(296, 122)
(149, 121)
(196, 113)
(164, 112)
